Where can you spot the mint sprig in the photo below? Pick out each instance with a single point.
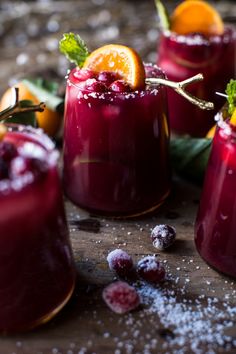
(74, 48)
(231, 95)
(163, 15)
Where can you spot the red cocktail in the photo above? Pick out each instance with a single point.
(182, 56)
(216, 223)
(37, 273)
(115, 144)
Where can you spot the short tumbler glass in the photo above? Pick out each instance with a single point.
(37, 271)
(215, 228)
(116, 160)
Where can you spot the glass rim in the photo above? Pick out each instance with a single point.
(224, 125)
(39, 138)
(110, 94)
(197, 39)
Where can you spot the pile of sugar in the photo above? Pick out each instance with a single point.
(190, 320)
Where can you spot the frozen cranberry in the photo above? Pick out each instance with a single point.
(120, 86)
(121, 297)
(150, 269)
(84, 74)
(95, 86)
(21, 165)
(107, 77)
(153, 71)
(163, 236)
(7, 150)
(3, 169)
(120, 262)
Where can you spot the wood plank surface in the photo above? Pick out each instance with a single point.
(194, 310)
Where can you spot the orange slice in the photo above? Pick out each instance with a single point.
(233, 118)
(211, 132)
(119, 59)
(196, 16)
(48, 120)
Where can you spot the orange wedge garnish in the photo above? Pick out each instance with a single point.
(119, 59)
(233, 118)
(193, 16)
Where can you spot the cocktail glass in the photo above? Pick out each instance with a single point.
(182, 56)
(215, 226)
(37, 272)
(116, 149)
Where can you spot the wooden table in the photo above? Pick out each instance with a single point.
(195, 307)
(192, 290)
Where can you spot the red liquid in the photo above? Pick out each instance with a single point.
(215, 227)
(37, 272)
(184, 56)
(116, 150)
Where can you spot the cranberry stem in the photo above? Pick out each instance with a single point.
(16, 107)
(179, 87)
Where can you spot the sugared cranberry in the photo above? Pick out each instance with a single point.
(120, 86)
(21, 165)
(121, 297)
(7, 150)
(95, 86)
(152, 71)
(3, 169)
(120, 262)
(163, 236)
(84, 74)
(107, 77)
(150, 269)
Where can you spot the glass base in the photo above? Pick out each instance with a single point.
(45, 318)
(127, 215)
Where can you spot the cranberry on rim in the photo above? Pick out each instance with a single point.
(7, 150)
(84, 74)
(107, 77)
(120, 86)
(95, 86)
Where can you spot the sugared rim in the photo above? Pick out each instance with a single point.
(225, 125)
(39, 138)
(110, 94)
(198, 39)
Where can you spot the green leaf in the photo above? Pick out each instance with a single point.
(44, 95)
(25, 118)
(74, 48)
(231, 93)
(163, 15)
(49, 85)
(189, 157)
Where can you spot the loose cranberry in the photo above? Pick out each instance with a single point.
(120, 262)
(84, 74)
(20, 165)
(3, 169)
(163, 236)
(120, 86)
(120, 297)
(107, 77)
(95, 86)
(7, 150)
(150, 269)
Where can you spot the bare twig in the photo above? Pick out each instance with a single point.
(179, 87)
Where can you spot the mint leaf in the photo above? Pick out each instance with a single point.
(163, 15)
(25, 118)
(74, 48)
(231, 93)
(49, 85)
